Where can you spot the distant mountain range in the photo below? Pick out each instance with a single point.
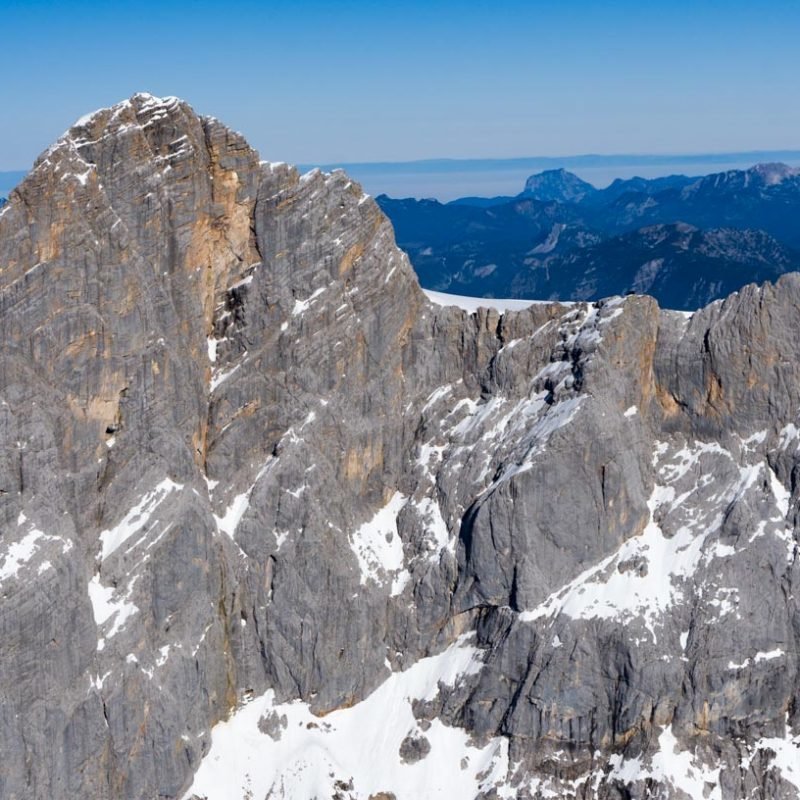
(685, 240)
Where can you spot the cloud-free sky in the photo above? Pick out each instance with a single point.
(312, 81)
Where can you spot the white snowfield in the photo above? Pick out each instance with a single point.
(474, 303)
(303, 756)
(26, 552)
(109, 606)
(379, 549)
(282, 751)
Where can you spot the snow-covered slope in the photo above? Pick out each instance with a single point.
(270, 749)
(474, 303)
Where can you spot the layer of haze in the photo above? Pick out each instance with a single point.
(326, 82)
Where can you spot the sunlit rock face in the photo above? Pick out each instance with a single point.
(276, 524)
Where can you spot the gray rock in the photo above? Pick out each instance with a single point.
(224, 400)
(414, 748)
(273, 724)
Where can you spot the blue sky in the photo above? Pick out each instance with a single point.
(362, 81)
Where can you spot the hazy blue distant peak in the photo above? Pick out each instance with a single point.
(566, 187)
(647, 186)
(559, 185)
(768, 174)
(767, 177)
(563, 186)
(775, 172)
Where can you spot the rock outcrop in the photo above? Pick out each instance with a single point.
(276, 525)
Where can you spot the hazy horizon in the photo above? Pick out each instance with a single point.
(449, 179)
(452, 185)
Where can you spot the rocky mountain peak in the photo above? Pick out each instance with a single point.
(272, 519)
(741, 183)
(559, 185)
(774, 173)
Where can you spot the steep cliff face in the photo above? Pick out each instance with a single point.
(276, 525)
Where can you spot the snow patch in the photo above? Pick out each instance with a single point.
(137, 518)
(472, 304)
(243, 282)
(303, 756)
(303, 305)
(786, 756)
(769, 655)
(679, 768)
(781, 494)
(19, 553)
(436, 528)
(437, 395)
(108, 605)
(789, 434)
(670, 766)
(23, 551)
(379, 549)
(617, 588)
(86, 118)
(229, 521)
(219, 377)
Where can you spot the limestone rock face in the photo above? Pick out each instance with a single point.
(258, 492)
